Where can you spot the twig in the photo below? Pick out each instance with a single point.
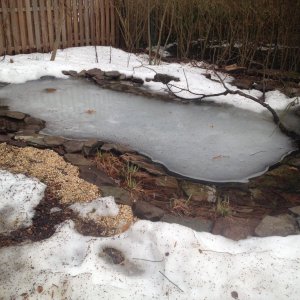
(148, 259)
(96, 54)
(171, 281)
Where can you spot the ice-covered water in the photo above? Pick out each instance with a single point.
(213, 142)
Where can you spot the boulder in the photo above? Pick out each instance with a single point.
(94, 73)
(199, 192)
(282, 225)
(112, 74)
(147, 211)
(164, 78)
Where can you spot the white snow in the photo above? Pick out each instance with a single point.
(32, 66)
(162, 261)
(100, 207)
(19, 195)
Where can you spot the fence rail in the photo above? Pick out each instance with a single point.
(32, 25)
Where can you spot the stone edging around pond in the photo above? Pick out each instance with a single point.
(235, 210)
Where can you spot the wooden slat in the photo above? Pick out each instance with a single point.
(15, 26)
(29, 26)
(63, 30)
(75, 23)
(56, 21)
(7, 28)
(112, 24)
(50, 23)
(97, 24)
(86, 22)
(2, 39)
(22, 25)
(92, 22)
(102, 20)
(45, 38)
(69, 23)
(36, 23)
(81, 22)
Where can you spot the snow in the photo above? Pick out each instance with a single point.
(32, 66)
(162, 261)
(100, 207)
(19, 195)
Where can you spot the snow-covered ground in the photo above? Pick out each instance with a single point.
(32, 66)
(155, 261)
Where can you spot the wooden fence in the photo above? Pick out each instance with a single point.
(32, 25)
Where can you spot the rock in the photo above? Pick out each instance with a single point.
(116, 256)
(245, 84)
(137, 80)
(267, 86)
(82, 73)
(33, 128)
(112, 74)
(166, 182)
(295, 210)
(196, 224)
(70, 73)
(164, 78)
(199, 192)
(47, 77)
(282, 225)
(4, 138)
(95, 176)
(53, 141)
(94, 73)
(147, 211)
(116, 148)
(295, 161)
(36, 139)
(90, 147)
(34, 121)
(77, 159)
(121, 196)
(3, 84)
(8, 126)
(73, 146)
(235, 228)
(12, 114)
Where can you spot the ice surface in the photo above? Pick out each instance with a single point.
(101, 207)
(197, 266)
(19, 195)
(213, 142)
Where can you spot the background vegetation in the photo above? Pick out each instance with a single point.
(251, 33)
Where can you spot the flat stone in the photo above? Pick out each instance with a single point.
(295, 210)
(12, 114)
(70, 73)
(196, 224)
(47, 77)
(8, 126)
(53, 141)
(120, 149)
(4, 138)
(121, 196)
(112, 74)
(77, 159)
(166, 182)
(94, 73)
(95, 176)
(36, 139)
(34, 121)
(91, 146)
(147, 211)
(34, 128)
(235, 228)
(137, 80)
(164, 78)
(282, 225)
(199, 192)
(73, 146)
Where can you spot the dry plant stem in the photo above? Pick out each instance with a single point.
(171, 281)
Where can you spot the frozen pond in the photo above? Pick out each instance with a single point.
(212, 142)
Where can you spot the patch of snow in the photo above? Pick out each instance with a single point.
(32, 66)
(162, 261)
(19, 195)
(100, 207)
